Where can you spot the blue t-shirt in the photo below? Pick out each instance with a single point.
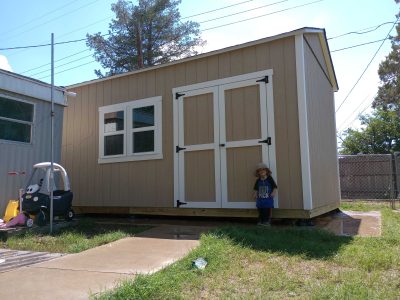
(264, 189)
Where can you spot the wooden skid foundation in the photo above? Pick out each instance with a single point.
(206, 212)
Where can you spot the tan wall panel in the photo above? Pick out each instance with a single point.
(198, 119)
(126, 184)
(242, 113)
(200, 176)
(313, 40)
(321, 134)
(240, 169)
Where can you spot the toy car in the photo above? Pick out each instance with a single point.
(36, 199)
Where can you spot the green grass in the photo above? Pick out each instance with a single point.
(84, 235)
(280, 263)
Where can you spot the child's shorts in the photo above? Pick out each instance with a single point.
(265, 203)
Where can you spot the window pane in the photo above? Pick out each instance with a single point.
(143, 117)
(114, 121)
(143, 141)
(13, 131)
(114, 144)
(16, 110)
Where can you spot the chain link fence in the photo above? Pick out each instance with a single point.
(372, 176)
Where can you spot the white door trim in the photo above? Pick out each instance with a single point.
(267, 114)
(303, 123)
(180, 157)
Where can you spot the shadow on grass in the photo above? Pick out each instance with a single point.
(310, 243)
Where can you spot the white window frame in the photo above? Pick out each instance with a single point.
(20, 121)
(127, 108)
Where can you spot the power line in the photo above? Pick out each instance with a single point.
(362, 74)
(355, 110)
(44, 45)
(58, 17)
(90, 62)
(358, 45)
(361, 31)
(242, 12)
(39, 67)
(275, 12)
(70, 62)
(38, 18)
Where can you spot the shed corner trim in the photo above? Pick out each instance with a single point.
(303, 123)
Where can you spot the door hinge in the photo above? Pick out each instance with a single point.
(266, 141)
(265, 79)
(177, 149)
(177, 95)
(179, 203)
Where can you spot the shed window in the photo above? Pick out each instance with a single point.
(16, 120)
(130, 131)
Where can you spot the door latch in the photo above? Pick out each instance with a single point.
(266, 141)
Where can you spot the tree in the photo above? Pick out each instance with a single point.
(389, 74)
(143, 35)
(381, 134)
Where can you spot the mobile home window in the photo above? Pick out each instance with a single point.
(130, 131)
(16, 120)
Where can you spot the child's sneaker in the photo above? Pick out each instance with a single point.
(266, 224)
(260, 223)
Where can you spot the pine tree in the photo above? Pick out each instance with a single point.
(143, 35)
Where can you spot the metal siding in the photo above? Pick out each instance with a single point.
(150, 183)
(321, 132)
(21, 157)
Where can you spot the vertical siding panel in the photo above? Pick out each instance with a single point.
(281, 125)
(201, 70)
(236, 59)
(90, 141)
(212, 67)
(99, 199)
(166, 199)
(249, 60)
(83, 146)
(293, 124)
(224, 65)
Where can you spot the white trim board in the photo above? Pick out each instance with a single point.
(303, 123)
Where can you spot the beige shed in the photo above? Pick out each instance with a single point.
(184, 138)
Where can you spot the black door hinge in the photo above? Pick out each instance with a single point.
(266, 141)
(177, 95)
(177, 149)
(265, 79)
(179, 203)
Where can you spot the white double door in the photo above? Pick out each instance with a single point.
(222, 132)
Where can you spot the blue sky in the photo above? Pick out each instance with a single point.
(26, 22)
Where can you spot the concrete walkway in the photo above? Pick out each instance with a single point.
(76, 276)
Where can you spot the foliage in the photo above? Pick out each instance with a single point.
(389, 74)
(249, 262)
(380, 135)
(143, 35)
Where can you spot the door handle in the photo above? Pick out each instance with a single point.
(222, 145)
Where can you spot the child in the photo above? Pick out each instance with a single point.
(264, 191)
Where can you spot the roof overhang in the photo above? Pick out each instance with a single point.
(22, 85)
(319, 31)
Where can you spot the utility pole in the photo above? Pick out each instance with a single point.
(52, 135)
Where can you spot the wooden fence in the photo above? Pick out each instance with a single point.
(374, 176)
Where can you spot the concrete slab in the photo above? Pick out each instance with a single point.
(61, 284)
(352, 223)
(75, 276)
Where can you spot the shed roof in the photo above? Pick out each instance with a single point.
(30, 87)
(320, 31)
